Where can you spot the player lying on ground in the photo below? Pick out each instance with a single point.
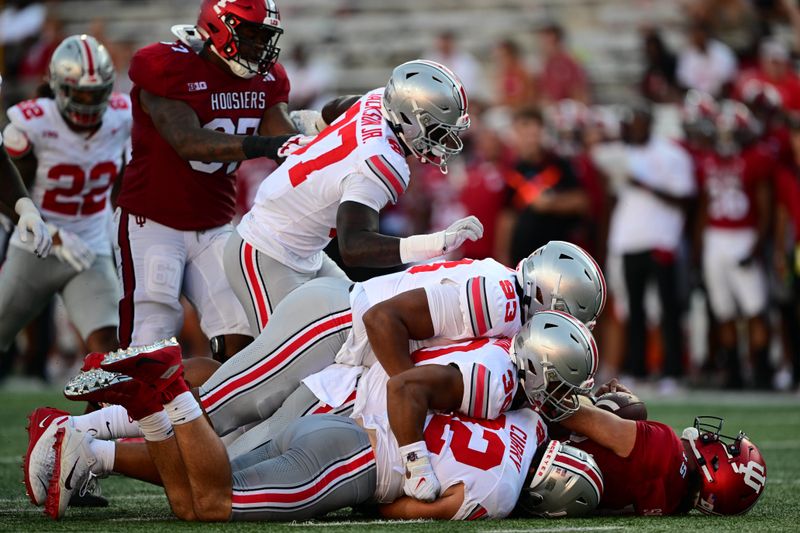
(16, 204)
(319, 464)
(338, 183)
(650, 470)
(70, 146)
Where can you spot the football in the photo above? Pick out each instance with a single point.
(623, 405)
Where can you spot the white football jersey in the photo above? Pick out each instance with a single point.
(487, 372)
(74, 170)
(490, 457)
(466, 298)
(357, 158)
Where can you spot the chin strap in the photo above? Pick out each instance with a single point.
(691, 435)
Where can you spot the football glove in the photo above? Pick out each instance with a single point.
(420, 481)
(424, 247)
(293, 144)
(307, 121)
(72, 250)
(30, 221)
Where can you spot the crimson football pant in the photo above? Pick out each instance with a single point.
(303, 336)
(261, 282)
(318, 464)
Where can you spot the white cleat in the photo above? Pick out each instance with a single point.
(86, 384)
(40, 458)
(71, 471)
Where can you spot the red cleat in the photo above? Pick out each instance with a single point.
(92, 361)
(38, 463)
(158, 365)
(99, 385)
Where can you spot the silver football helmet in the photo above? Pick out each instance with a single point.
(427, 106)
(566, 483)
(563, 277)
(81, 77)
(556, 359)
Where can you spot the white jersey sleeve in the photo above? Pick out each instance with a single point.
(490, 306)
(16, 133)
(386, 168)
(363, 190)
(489, 380)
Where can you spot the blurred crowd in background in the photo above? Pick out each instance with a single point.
(688, 195)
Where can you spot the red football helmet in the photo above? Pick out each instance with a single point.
(244, 33)
(732, 472)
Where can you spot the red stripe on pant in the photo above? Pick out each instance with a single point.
(210, 400)
(126, 306)
(305, 492)
(257, 291)
(323, 408)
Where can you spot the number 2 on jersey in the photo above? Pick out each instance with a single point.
(493, 448)
(67, 196)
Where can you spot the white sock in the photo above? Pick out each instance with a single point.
(156, 427)
(183, 409)
(108, 423)
(104, 451)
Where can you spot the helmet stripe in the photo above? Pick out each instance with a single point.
(584, 468)
(89, 58)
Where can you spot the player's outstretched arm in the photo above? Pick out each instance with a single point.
(411, 394)
(16, 204)
(603, 427)
(444, 508)
(179, 125)
(392, 323)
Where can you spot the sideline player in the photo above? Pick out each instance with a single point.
(734, 220)
(701, 469)
(338, 183)
(17, 205)
(71, 147)
(200, 106)
(347, 465)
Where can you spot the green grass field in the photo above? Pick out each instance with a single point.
(773, 422)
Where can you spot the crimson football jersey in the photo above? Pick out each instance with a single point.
(652, 479)
(158, 184)
(730, 184)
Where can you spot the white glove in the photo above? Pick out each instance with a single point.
(293, 144)
(72, 249)
(420, 482)
(308, 121)
(30, 221)
(424, 247)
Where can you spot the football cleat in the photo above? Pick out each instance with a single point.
(92, 361)
(101, 386)
(38, 462)
(157, 364)
(71, 470)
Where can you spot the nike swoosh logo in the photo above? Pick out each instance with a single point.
(108, 426)
(421, 481)
(68, 482)
(42, 423)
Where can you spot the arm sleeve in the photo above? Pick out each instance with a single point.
(359, 188)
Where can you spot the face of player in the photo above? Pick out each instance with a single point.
(85, 107)
(256, 42)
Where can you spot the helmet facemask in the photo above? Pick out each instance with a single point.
(252, 48)
(83, 107)
(436, 142)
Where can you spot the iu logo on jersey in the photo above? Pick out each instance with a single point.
(753, 473)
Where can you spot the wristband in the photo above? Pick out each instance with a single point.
(420, 247)
(257, 146)
(414, 451)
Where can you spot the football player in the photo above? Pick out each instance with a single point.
(201, 105)
(701, 468)
(337, 185)
(734, 221)
(71, 147)
(15, 202)
(316, 465)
